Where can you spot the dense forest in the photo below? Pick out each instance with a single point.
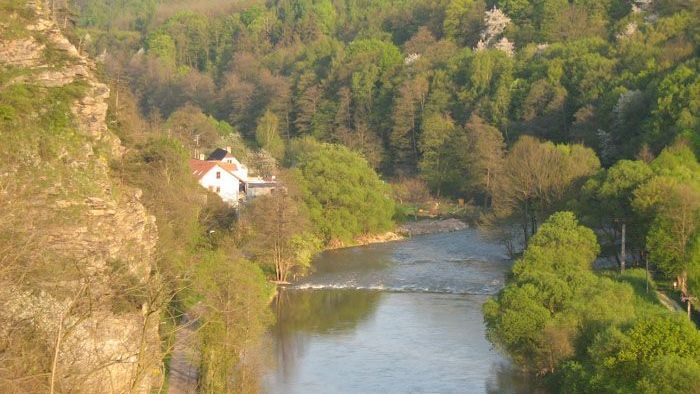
(401, 81)
(436, 90)
(570, 128)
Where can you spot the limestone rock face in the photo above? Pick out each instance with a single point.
(25, 52)
(109, 340)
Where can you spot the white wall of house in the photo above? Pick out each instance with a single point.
(241, 169)
(225, 185)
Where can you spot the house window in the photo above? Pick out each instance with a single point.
(218, 189)
(218, 175)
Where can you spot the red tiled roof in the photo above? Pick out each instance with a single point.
(200, 168)
(230, 167)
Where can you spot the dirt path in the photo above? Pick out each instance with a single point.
(185, 358)
(668, 302)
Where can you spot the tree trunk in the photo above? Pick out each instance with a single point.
(682, 282)
(646, 265)
(683, 285)
(526, 222)
(623, 256)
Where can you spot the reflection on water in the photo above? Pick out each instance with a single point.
(323, 311)
(393, 318)
(302, 314)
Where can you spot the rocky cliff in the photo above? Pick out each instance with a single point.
(78, 297)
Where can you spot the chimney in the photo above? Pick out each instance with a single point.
(201, 156)
(228, 149)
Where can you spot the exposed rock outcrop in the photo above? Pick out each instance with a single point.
(97, 313)
(25, 52)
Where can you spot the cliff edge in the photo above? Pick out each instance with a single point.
(78, 293)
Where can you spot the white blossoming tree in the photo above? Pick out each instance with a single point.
(495, 23)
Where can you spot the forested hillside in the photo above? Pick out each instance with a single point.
(398, 81)
(442, 91)
(512, 105)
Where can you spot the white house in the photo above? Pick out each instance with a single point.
(224, 175)
(220, 178)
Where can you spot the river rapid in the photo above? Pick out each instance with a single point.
(400, 317)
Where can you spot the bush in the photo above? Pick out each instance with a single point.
(344, 195)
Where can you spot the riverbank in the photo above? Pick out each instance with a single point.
(432, 226)
(403, 231)
(364, 240)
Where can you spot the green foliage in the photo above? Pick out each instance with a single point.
(344, 195)
(554, 313)
(538, 177)
(195, 130)
(481, 152)
(671, 199)
(677, 109)
(610, 77)
(629, 358)
(198, 261)
(162, 46)
(555, 317)
(14, 15)
(606, 201)
(399, 83)
(159, 168)
(558, 259)
(639, 279)
(537, 301)
(229, 291)
(384, 54)
(37, 125)
(436, 146)
(279, 233)
(487, 88)
(671, 374)
(268, 137)
(463, 20)
(106, 14)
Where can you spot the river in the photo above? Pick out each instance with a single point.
(400, 317)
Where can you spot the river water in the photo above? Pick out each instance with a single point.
(400, 317)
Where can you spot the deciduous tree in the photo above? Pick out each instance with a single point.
(267, 135)
(279, 228)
